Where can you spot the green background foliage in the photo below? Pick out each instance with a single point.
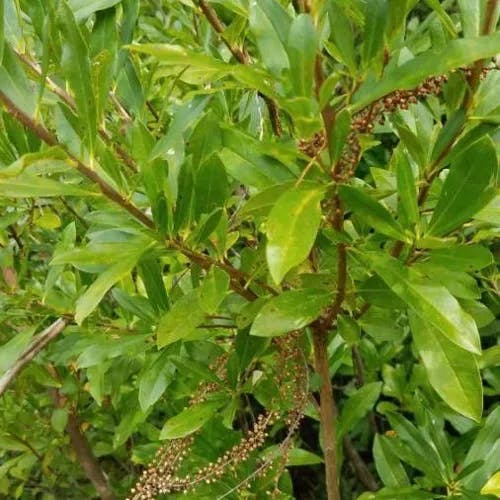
(243, 208)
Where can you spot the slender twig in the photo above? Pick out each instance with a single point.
(242, 57)
(51, 140)
(359, 466)
(127, 160)
(239, 279)
(34, 348)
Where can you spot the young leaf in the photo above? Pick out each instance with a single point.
(407, 192)
(388, 465)
(182, 319)
(75, 62)
(291, 229)
(289, 311)
(154, 380)
(33, 186)
(357, 406)
(271, 48)
(339, 134)
(301, 48)
(371, 212)
(95, 292)
(376, 16)
(190, 420)
(408, 75)
(430, 301)
(213, 290)
(486, 447)
(452, 371)
(469, 186)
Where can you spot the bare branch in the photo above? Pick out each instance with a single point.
(34, 348)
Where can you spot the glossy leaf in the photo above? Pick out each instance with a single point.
(388, 466)
(452, 372)
(301, 48)
(31, 186)
(289, 311)
(291, 229)
(376, 15)
(469, 186)
(430, 301)
(190, 420)
(407, 193)
(371, 212)
(182, 319)
(433, 62)
(485, 447)
(267, 36)
(96, 292)
(357, 406)
(154, 380)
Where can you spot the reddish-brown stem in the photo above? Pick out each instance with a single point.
(81, 446)
(241, 56)
(51, 140)
(239, 279)
(327, 411)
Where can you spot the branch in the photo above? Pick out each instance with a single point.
(239, 279)
(327, 412)
(34, 348)
(241, 56)
(51, 140)
(66, 98)
(360, 468)
(86, 458)
(81, 446)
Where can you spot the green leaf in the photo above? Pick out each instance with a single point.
(12, 349)
(432, 302)
(443, 16)
(59, 419)
(462, 257)
(452, 371)
(339, 133)
(267, 36)
(213, 290)
(376, 16)
(492, 486)
(301, 48)
(407, 190)
(357, 406)
(32, 186)
(486, 447)
(262, 203)
(75, 62)
(96, 292)
(154, 380)
(292, 310)
(84, 8)
(410, 74)
(371, 212)
(469, 186)
(185, 315)
(291, 229)
(389, 467)
(470, 15)
(343, 36)
(190, 420)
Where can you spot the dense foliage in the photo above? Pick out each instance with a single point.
(247, 249)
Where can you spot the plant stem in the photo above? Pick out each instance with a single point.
(327, 411)
(242, 57)
(30, 352)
